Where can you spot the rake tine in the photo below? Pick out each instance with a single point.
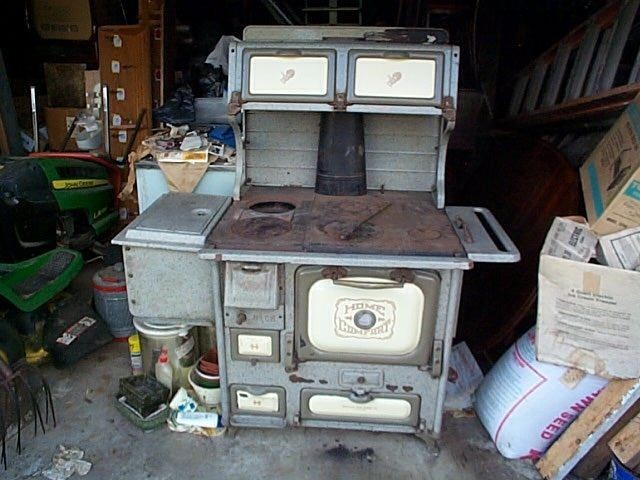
(35, 373)
(34, 405)
(30, 371)
(49, 401)
(3, 431)
(16, 407)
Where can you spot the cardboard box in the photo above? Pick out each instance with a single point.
(58, 120)
(611, 176)
(589, 317)
(62, 19)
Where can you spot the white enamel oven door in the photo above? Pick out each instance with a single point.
(288, 75)
(396, 77)
(365, 316)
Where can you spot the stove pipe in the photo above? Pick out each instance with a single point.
(341, 168)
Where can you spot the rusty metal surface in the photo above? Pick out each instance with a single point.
(244, 228)
(403, 223)
(396, 223)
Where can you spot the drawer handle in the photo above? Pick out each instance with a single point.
(289, 53)
(367, 285)
(360, 397)
(251, 268)
(393, 55)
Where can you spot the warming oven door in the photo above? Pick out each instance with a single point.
(365, 315)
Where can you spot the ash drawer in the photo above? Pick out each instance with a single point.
(254, 318)
(257, 400)
(252, 285)
(341, 406)
(253, 345)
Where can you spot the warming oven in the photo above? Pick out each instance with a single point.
(338, 267)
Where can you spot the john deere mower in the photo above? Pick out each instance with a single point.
(51, 206)
(57, 199)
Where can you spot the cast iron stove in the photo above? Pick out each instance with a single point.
(339, 311)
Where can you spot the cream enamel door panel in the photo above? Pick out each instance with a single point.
(395, 78)
(353, 319)
(379, 409)
(255, 345)
(265, 403)
(288, 75)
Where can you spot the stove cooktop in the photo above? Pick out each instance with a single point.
(290, 219)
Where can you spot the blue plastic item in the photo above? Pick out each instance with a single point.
(619, 472)
(223, 134)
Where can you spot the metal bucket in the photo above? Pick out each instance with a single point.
(110, 299)
(181, 342)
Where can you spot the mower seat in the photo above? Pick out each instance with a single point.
(32, 283)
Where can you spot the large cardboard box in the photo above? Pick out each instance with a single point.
(62, 19)
(611, 176)
(589, 317)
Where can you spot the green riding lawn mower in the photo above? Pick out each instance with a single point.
(53, 206)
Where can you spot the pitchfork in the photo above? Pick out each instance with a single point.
(21, 376)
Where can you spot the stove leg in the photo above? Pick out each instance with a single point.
(432, 445)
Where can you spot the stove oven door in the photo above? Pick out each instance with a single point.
(367, 315)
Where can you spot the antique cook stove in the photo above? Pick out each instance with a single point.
(339, 310)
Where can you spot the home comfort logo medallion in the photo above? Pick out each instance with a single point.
(364, 318)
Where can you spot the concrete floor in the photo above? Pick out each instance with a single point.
(84, 393)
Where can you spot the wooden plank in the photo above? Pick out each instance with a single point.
(535, 85)
(581, 63)
(593, 107)
(625, 21)
(634, 76)
(556, 75)
(587, 430)
(593, 80)
(518, 95)
(600, 455)
(625, 445)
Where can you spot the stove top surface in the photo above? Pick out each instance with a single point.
(290, 219)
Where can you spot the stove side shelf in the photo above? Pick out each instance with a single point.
(482, 236)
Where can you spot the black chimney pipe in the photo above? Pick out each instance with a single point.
(341, 168)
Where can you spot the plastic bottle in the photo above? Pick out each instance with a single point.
(164, 372)
(135, 355)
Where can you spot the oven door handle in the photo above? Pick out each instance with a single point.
(367, 285)
(358, 397)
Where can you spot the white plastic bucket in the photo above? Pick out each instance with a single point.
(181, 343)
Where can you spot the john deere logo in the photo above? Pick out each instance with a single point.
(364, 318)
(78, 183)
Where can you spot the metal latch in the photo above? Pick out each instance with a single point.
(436, 358)
(235, 103)
(290, 363)
(340, 102)
(449, 113)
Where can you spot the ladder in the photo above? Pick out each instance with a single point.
(332, 12)
(574, 79)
